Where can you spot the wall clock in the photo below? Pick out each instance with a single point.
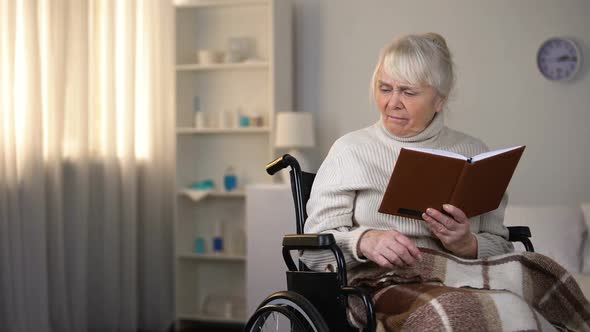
(559, 59)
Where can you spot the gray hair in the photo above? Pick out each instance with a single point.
(417, 59)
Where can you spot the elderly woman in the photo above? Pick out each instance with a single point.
(411, 84)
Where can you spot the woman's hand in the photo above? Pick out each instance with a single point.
(388, 248)
(452, 230)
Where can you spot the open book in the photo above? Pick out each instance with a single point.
(427, 178)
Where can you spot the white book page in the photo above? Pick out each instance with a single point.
(439, 152)
(492, 153)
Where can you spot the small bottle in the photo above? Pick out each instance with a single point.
(218, 247)
(230, 180)
(256, 120)
(200, 245)
(243, 119)
(198, 120)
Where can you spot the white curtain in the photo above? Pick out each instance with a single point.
(86, 165)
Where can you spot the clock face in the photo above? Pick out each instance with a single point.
(558, 59)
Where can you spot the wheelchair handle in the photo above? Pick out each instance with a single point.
(283, 162)
(280, 163)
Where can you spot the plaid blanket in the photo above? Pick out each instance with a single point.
(512, 292)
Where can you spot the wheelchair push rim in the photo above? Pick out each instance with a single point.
(298, 314)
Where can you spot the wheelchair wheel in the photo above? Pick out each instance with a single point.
(286, 311)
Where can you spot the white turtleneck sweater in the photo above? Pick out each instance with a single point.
(350, 184)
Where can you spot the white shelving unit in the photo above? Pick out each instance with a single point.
(222, 66)
(260, 86)
(217, 3)
(208, 257)
(192, 131)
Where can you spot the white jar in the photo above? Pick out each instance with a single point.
(199, 120)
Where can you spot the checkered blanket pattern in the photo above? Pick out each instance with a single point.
(511, 292)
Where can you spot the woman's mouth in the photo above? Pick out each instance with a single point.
(396, 119)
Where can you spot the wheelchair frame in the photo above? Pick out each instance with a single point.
(322, 296)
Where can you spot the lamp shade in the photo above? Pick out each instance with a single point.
(294, 130)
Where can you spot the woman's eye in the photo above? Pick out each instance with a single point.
(410, 93)
(384, 89)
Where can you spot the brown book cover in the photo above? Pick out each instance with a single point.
(427, 178)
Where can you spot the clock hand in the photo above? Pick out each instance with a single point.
(566, 58)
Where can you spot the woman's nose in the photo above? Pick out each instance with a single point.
(394, 101)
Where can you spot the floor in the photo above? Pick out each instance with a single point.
(192, 326)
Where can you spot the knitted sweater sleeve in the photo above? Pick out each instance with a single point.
(330, 210)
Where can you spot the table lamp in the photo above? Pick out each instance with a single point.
(294, 131)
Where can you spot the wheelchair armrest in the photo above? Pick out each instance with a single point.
(521, 234)
(314, 242)
(519, 231)
(308, 241)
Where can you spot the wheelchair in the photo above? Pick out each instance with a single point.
(317, 301)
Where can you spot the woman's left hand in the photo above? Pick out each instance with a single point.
(452, 229)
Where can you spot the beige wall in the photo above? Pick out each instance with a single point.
(500, 95)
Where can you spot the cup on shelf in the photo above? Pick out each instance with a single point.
(203, 120)
(216, 305)
(256, 120)
(209, 56)
(240, 49)
(227, 119)
(238, 307)
(211, 120)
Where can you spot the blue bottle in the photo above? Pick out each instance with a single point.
(217, 240)
(230, 180)
(217, 244)
(200, 245)
(244, 121)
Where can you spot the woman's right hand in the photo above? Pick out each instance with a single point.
(388, 248)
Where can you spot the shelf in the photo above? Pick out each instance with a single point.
(213, 257)
(261, 85)
(196, 317)
(198, 195)
(222, 66)
(217, 3)
(236, 193)
(195, 131)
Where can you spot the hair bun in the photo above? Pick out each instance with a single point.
(436, 39)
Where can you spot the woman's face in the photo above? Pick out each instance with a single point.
(406, 110)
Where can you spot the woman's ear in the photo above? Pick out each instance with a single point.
(440, 103)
